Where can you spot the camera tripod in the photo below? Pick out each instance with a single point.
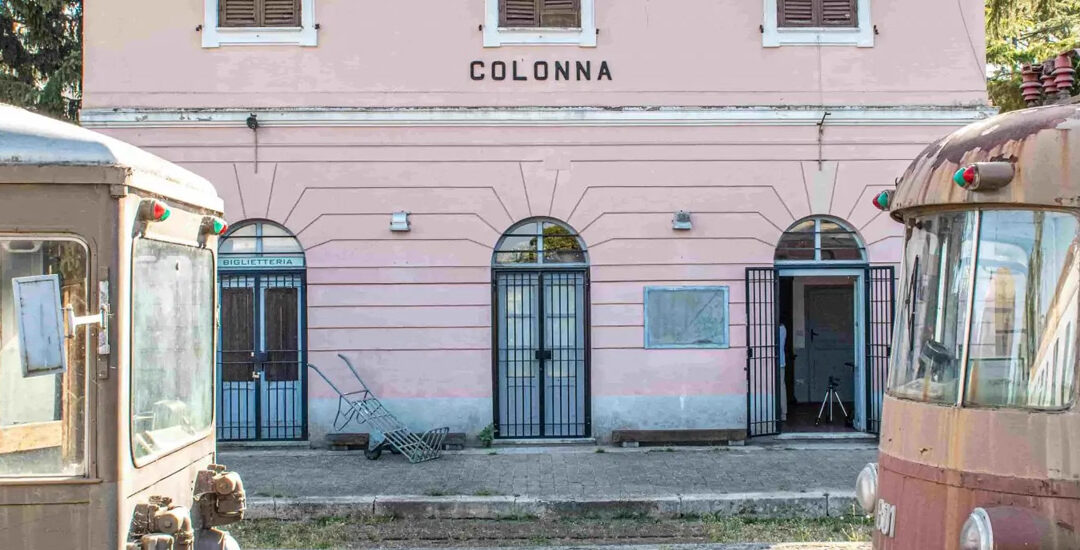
(831, 396)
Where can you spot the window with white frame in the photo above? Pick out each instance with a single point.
(284, 22)
(817, 22)
(524, 22)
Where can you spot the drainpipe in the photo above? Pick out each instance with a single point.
(821, 141)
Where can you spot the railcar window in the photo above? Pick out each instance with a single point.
(929, 338)
(1025, 302)
(42, 418)
(172, 289)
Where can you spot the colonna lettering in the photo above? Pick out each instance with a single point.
(540, 70)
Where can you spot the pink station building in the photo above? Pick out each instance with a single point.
(564, 219)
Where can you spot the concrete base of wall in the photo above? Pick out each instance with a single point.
(813, 504)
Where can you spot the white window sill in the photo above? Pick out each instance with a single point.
(214, 36)
(237, 36)
(496, 36)
(818, 36)
(774, 36)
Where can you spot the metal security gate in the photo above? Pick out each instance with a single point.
(762, 369)
(262, 387)
(880, 310)
(541, 353)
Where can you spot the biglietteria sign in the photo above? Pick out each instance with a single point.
(264, 262)
(539, 70)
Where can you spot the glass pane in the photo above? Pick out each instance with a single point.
(239, 241)
(172, 341)
(527, 229)
(276, 240)
(805, 226)
(796, 246)
(42, 418)
(928, 342)
(1025, 303)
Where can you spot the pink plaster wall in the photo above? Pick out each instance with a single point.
(414, 309)
(685, 52)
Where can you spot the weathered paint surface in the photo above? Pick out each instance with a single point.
(413, 310)
(939, 462)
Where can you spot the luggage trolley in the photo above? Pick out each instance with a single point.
(362, 406)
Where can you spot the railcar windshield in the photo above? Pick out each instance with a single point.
(1005, 324)
(42, 416)
(172, 289)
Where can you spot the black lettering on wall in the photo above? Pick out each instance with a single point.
(562, 70)
(498, 70)
(516, 75)
(474, 67)
(584, 69)
(604, 71)
(538, 73)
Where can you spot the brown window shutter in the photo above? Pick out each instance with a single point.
(838, 13)
(280, 13)
(237, 13)
(560, 13)
(519, 13)
(797, 13)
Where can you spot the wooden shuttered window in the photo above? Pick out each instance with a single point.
(817, 13)
(540, 13)
(258, 13)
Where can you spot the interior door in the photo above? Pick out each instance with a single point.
(830, 333)
(238, 381)
(281, 355)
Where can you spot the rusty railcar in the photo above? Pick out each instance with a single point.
(977, 446)
(106, 397)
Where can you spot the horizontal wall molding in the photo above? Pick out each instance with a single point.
(541, 116)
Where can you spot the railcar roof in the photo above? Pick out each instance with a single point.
(1038, 141)
(31, 140)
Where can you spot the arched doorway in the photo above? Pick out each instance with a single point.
(262, 383)
(820, 319)
(540, 307)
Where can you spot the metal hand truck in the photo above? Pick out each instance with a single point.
(362, 406)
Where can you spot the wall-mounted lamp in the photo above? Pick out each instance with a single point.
(681, 221)
(399, 221)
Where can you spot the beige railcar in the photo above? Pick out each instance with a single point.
(115, 449)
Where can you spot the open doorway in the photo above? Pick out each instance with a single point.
(818, 331)
(819, 355)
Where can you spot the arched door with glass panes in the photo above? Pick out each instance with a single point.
(261, 376)
(540, 298)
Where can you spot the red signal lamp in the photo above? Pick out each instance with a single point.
(215, 226)
(965, 176)
(985, 176)
(154, 210)
(883, 200)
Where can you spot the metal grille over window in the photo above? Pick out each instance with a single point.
(540, 13)
(540, 294)
(817, 13)
(262, 387)
(819, 239)
(259, 13)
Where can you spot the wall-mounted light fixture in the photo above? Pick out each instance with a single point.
(399, 221)
(681, 221)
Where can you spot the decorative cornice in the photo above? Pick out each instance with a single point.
(541, 116)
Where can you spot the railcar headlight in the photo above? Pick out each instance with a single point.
(866, 488)
(977, 533)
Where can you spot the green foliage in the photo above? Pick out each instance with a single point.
(41, 55)
(1025, 31)
(486, 435)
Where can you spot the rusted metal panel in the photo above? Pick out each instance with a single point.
(1040, 141)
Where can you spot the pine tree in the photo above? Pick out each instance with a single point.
(41, 55)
